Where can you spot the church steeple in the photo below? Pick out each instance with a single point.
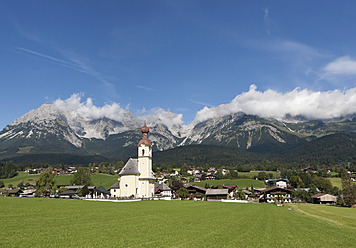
(145, 139)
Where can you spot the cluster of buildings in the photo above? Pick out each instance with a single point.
(137, 180)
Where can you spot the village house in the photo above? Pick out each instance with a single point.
(162, 190)
(277, 195)
(217, 194)
(10, 192)
(195, 192)
(322, 198)
(281, 183)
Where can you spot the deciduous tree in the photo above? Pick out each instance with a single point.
(45, 183)
(82, 177)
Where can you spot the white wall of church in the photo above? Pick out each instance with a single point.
(129, 186)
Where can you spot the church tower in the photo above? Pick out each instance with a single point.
(146, 179)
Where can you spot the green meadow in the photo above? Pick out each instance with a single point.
(39, 222)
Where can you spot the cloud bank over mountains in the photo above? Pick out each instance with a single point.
(299, 102)
(304, 103)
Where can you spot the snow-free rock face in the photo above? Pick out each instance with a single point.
(52, 129)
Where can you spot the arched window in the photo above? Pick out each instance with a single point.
(143, 152)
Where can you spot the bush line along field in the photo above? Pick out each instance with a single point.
(40, 222)
(240, 183)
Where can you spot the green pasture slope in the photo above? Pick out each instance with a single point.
(97, 179)
(39, 222)
(241, 183)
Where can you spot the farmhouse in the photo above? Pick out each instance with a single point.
(217, 194)
(136, 177)
(10, 192)
(322, 198)
(163, 190)
(277, 195)
(195, 192)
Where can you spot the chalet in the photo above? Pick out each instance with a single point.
(68, 194)
(195, 192)
(210, 177)
(277, 195)
(322, 198)
(28, 193)
(353, 177)
(10, 192)
(162, 190)
(281, 183)
(231, 188)
(184, 180)
(217, 194)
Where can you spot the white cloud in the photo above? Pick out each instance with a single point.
(267, 21)
(76, 109)
(299, 102)
(342, 66)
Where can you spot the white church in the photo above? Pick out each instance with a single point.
(136, 177)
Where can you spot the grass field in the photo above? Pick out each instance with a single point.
(251, 174)
(39, 222)
(335, 215)
(97, 179)
(336, 181)
(241, 183)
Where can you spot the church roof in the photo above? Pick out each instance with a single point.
(115, 185)
(130, 168)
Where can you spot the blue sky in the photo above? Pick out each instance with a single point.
(177, 55)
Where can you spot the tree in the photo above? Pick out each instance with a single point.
(262, 175)
(234, 174)
(219, 174)
(240, 194)
(62, 189)
(183, 193)
(2, 184)
(176, 185)
(10, 186)
(348, 189)
(82, 177)
(45, 183)
(83, 191)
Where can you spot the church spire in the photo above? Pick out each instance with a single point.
(145, 139)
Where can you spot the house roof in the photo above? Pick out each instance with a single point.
(69, 192)
(277, 189)
(101, 189)
(163, 187)
(115, 185)
(194, 187)
(318, 195)
(75, 187)
(217, 192)
(130, 168)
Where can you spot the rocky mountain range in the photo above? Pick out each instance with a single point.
(50, 129)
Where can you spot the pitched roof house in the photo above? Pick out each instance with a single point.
(322, 198)
(217, 194)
